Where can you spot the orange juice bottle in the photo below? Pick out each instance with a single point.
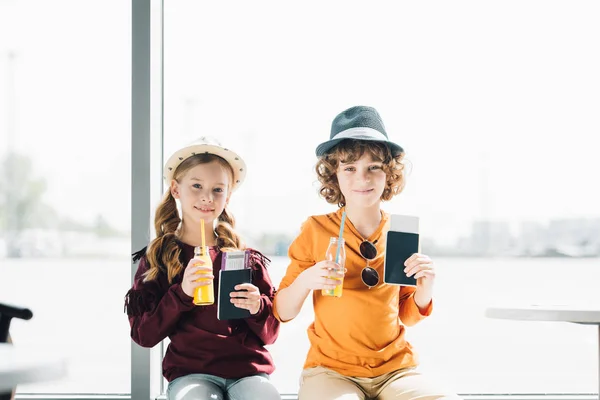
(203, 295)
(332, 251)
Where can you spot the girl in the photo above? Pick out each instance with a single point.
(358, 349)
(206, 358)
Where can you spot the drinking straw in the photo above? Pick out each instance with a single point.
(337, 253)
(203, 239)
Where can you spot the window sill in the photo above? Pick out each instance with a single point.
(551, 396)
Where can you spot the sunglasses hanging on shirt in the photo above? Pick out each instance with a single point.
(368, 275)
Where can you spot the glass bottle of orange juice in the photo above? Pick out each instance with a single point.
(330, 255)
(203, 295)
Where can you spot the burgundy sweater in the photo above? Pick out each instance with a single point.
(200, 343)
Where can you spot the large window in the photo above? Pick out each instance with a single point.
(495, 105)
(65, 78)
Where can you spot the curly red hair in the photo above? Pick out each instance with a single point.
(351, 150)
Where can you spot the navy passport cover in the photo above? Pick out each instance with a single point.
(400, 246)
(227, 282)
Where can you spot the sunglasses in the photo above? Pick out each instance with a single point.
(369, 276)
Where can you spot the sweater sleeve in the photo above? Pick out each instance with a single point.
(301, 258)
(263, 323)
(154, 307)
(408, 310)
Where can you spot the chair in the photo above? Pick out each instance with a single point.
(7, 313)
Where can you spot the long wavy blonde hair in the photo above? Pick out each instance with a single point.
(351, 150)
(164, 251)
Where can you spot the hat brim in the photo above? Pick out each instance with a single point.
(325, 147)
(237, 163)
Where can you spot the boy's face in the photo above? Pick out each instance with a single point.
(362, 182)
(203, 192)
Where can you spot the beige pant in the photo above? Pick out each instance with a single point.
(407, 384)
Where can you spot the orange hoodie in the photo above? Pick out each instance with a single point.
(361, 333)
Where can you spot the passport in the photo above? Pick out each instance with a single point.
(235, 270)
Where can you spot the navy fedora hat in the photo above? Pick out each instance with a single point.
(359, 123)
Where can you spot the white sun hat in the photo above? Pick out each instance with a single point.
(206, 145)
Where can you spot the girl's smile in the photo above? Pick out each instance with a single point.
(204, 209)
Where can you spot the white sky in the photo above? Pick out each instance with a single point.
(496, 103)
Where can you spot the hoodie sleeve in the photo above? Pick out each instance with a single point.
(408, 310)
(263, 323)
(300, 256)
(154, 307)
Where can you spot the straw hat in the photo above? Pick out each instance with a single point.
(206, 145)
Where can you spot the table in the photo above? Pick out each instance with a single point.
(19, 365)
(566, 313)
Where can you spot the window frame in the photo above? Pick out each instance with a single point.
(146, 161)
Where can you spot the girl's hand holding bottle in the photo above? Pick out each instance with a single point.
(191, 280)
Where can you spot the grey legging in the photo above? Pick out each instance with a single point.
(210, 387)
